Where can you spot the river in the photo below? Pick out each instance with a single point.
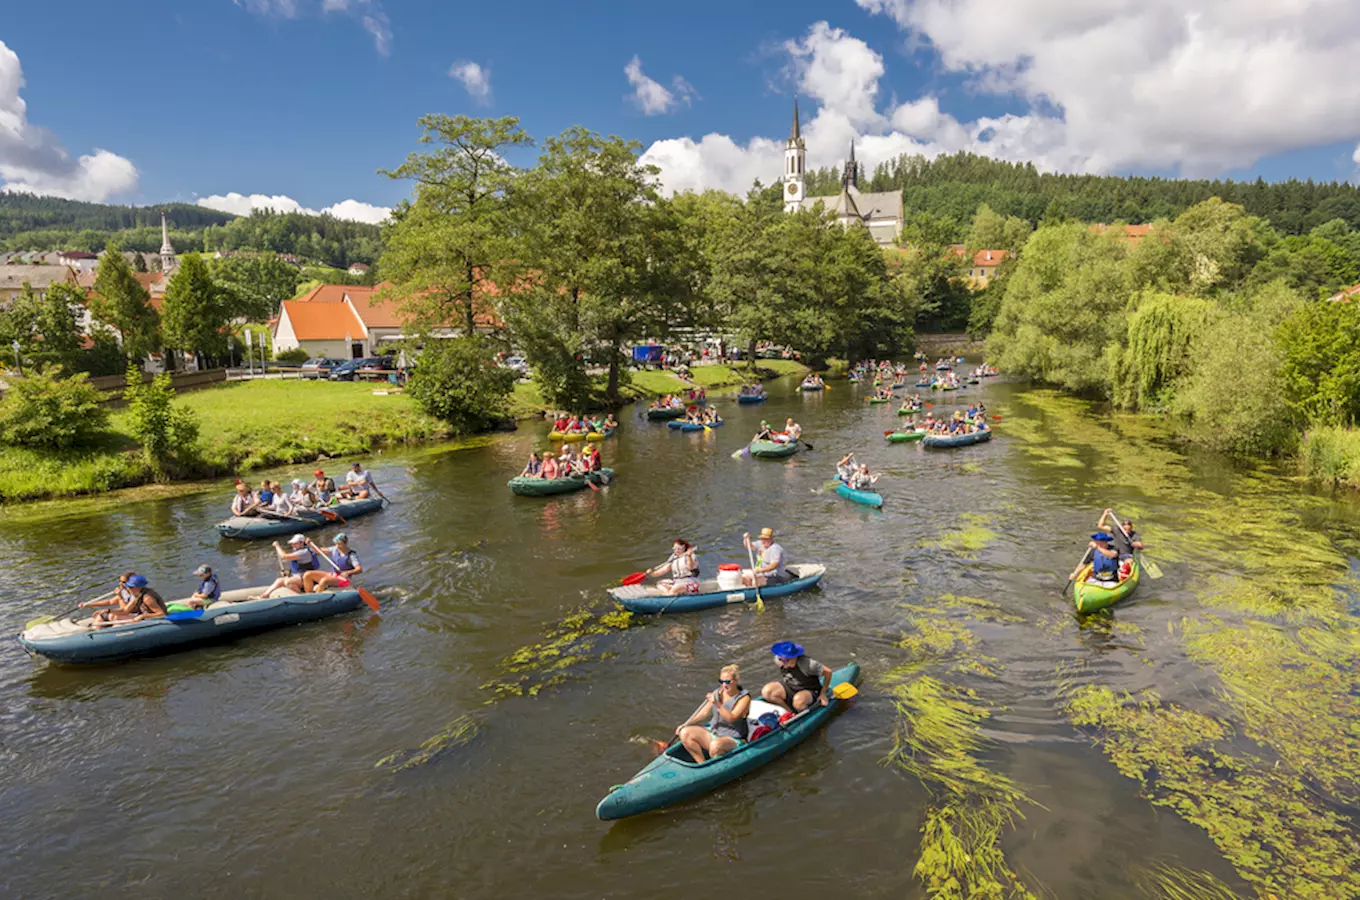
(456, 744)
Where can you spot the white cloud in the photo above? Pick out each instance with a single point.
(33, 161)
(475, 77)
(369, 13)
(244, 204)
(651, 96)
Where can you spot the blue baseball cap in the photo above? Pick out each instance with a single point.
(787, 650)
(1101, 536)
(137, 581)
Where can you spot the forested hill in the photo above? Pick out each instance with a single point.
(950, 188)
(48, 223)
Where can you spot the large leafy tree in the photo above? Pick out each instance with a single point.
(255, 283)
(446, 249)
(121, 303)
(196, 310)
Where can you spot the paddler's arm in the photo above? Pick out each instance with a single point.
(739, 711)
(700, 714)
(826, 685)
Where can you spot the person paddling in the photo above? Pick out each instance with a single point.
(682, 567)
(344, 566)
(1104, 560)
(802, 680)
(769, 560)
(244, 503)
(300, 560)
(726, 709)
(142, 603)
(1126, 539)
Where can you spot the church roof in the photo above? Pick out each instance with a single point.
(866, 204)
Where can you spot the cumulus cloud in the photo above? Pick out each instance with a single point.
(475, 77)
(368, 13)
(33, 161)
(244, 204)
(651, 96)
(1195, 87)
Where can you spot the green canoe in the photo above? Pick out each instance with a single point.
(773, 449)
(545, 487)
(904, 437)
(1091, 597)
(906, 411)
(878, 399)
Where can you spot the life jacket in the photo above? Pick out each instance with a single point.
(1104, 567)
(680, 568)
(298, 566)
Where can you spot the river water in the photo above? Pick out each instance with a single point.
(456, 744)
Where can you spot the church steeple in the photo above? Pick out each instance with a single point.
(850, 177)
(795, 162)
(167, 250)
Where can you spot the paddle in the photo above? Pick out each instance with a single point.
(844, 691)
(660, 747)
(1153, 570)
(332, 516)
(755, 579)
(363, 594)
(635, 578)
(1073, 577)
(744, 451)
(805, 444)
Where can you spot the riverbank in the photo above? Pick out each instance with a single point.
(250, 425)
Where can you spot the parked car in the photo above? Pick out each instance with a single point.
(348, 370)
(518, 363)
(319, 366)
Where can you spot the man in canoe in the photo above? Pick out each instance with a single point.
(845, 469)
(299, 559)
(1126, 539)
(344, 565)
(769, 558)
(1104, 561)
(802, 680)
(359, 483)
(726, 709)
(792, 429)
(323, 487)
(141, 603)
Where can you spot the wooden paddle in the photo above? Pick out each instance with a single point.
(755, 579)
(363, 594)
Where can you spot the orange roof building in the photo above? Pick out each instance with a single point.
(984, 265)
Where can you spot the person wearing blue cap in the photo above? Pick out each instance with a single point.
(142, 603)
(802, 680)
(1104, 559)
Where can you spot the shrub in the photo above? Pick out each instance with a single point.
(297, 354)
(51, 411)
(458, 382)
(1332, 455)
(168, 432)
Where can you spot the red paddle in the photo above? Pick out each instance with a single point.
(635, 578)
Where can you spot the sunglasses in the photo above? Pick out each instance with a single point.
(724, 681)
(785, 659)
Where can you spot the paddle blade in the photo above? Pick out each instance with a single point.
(996, 418)
(760, 604)
(369, 599)
(658, 747)
(927, 405)
(592, 485)
(635, 578)
(844, 691)
(1153, 570)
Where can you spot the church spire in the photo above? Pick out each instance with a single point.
(850, 175)
(167, 249)
(794, 134)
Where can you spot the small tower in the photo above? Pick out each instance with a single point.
(167, 250)
(795, 161)
(850, 176)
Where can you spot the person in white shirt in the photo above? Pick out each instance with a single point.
(359, 483)
(282, 505)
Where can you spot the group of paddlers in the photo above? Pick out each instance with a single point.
(273, 500)
(573, 424)
(678, 401)
(961, 422)
(854, 474)
(814, 381)
(1111, 552)
(567, 464)
(791, 433)
(702, 415)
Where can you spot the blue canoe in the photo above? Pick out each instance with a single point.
(925, 384)
(867, 498)
(691, 426)
(751, 398)
(812, 387)
(250, 528)
(941, 442)
(74, 641)
(646, 599)
(674, 776)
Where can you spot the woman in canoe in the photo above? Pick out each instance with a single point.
(244, 503)
(726, 710)
(299, 559)
(533, 467)
(346, 563)
(549, 468)
(861, 480)
(764, 434)
(683, 569)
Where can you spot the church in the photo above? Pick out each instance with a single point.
(880, 212)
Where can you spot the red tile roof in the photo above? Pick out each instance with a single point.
(990, 257)
(1345, 296)
(1132, 232)
(324, 320)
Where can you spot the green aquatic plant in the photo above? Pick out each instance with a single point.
(1277, 833)
(971, 536)
(1174, 883)
(455, 734)
(535, 667)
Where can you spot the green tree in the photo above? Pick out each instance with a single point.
(459, 382)
(195, 312)
(256, 283)
(445, 249)
(138, 262)
(51, 410)
(1163, 334)
(121, 303)
(167, 431)
(47, 328)
(1320, 365)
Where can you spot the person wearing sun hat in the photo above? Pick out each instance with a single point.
(769, 558)
(802, 680)
(323, 487)
(1104, 558)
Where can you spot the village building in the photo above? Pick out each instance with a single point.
(358, 269)
(985, 264)
(878, 211)
(13, 277)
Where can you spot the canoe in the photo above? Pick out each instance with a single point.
(943, 367)
(569, 437)
(811, 387)
(662, 415)
(674, 776)
(1090, 597)
(877, 400)
(897, 386)
(908, 410)
(601, 435)
(773, 449)
(528, 486)
(250, 528)
(692, 426)
(903, 437)
(641, 598)
(864, 498)
(74, 641)
(751, 398)
(949, 387)
(945, 442)
(925, 384)
(975, 381)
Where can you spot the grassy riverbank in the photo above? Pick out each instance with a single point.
(1332, 456)
(258, 424)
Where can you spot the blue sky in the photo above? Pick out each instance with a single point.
(306, 99)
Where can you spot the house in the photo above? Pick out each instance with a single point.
(350, 322)
(358, 269)
(1348, 295)
(80, 260)
(984, 266)
(41, 277)
(878, 211)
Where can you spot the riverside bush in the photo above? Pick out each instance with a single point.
(458, 382)
(1331, 454)
(47, 410)
(167, 432)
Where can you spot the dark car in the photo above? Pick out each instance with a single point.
(319, 366)
(349, 370)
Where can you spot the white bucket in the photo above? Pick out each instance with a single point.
(729, 579)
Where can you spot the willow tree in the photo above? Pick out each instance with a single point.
(447, 247)
(1163, 331)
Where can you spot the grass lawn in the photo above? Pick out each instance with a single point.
(782, 366)
(657, 383)
(717, 376)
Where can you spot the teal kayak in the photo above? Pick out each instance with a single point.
(866, 498)
(674, 776)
